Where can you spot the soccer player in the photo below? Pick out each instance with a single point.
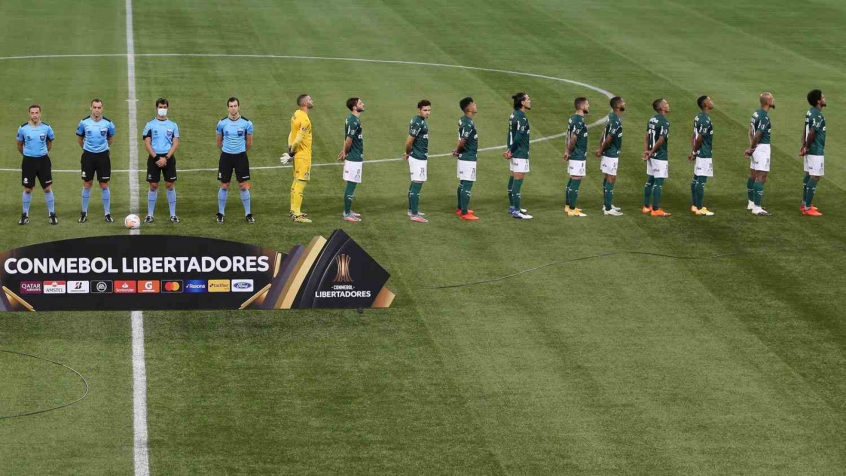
(655, 156)
(416, 153)
(95, 134)
(161, 138)
(759, 151)
(518, 153)
(352, 155)
(813, 150)
(234, 139)
(700, 152)
(299, 149)
(35, 139)
(465, 151)
(610, 145)
(576, 156)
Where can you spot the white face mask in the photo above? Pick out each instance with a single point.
(162, 112)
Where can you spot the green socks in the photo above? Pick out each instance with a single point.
(608, 193)
(466, 186)
(511, 191)
(459, 194)
(574, 192)
(809, 195)
(750, 189)
(567, 192)
(647, 190)
(657, 189)
(697, 190)
(805, 188)
(414, 196)
(759, 193)
(516, 196)
(349, 193)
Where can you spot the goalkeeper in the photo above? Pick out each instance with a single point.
(299, 150)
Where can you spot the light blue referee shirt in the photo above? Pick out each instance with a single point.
(235, 134)
(35, 138)
(161, 134)
(95, 133)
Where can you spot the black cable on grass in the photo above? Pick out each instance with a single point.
(583, 258)
(84, 381)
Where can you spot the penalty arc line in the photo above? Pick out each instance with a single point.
(133, 100)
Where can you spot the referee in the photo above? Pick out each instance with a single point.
(95, 134)
(35, 139)
(234, 139)
(161, 138)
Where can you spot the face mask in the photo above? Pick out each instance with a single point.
(162, 112)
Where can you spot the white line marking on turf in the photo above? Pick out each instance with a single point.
(139, 364)
(324, 58)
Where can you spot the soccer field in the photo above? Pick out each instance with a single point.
(612, 345)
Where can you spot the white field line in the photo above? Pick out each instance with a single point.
(139, 364)
(133, 101)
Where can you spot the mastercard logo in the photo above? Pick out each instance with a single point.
(172, 286)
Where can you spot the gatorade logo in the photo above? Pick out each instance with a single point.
(172, 286)
(149, 287)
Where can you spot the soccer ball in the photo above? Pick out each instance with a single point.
(132, 221)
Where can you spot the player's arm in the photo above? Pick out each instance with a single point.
(249, 141)
(604, 144)
(80, 135)
(806, 143)
(49, 145)
(175, 143)
(516, 136)
(459, 148)
(148, 146)
(409, 142)
(220, 141)
(292, 147)
(248, 132)
(658, 143)
(111, 133)
(19, 138)
(346, 150)
(571, 144)
(20, 146)
(696, 143)
(753, 142)
(646, 152)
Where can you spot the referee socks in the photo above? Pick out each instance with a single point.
(245, 200)
(222, 196)
(151, 202)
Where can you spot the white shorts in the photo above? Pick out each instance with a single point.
(815, 165)
(658, 168)
(520, 166)
(703, 167)
(467, 170)
(352, 171)
(608, 165)
(761, 158)
(576, 168)
(418, 169)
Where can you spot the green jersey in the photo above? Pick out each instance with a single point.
(353, 131)
(815, 121)
(576, 126)
(761, 123)
(702, 127)
(420, 131)
(614, 130)
(657, 127)
(467, 131)
(518, 134)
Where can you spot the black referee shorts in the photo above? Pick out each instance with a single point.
(99, 162)
(32, 167)
(239, 163)
(154, 172)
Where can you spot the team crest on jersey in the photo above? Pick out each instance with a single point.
(169, 133)
(103, 132)
(240, 132)
(43, 137)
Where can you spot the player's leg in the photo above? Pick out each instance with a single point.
(104, 172)
(511, 186)
(154, 173)
(760, 180)
(242, 173)
(352, 177)
(517, 194)
(700, 191)
(87, 170)
(693, 182)
(45, 178)
(225, 168)
(28, 173)
(657, 193)
(813, 180)
(170, 185)
(302, 173)
(567, 195)
(805, 189)
(575, 184)
(648, 188)
(26, 200)
(750, 189)
(349, 194)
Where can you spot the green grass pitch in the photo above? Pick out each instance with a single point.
(627, 363)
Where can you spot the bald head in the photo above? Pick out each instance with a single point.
(765, 98)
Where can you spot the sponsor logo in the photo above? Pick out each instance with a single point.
(55, 287)
(242, 285)
(148, 287)
(78, 287)
(172, 286)
(126, 287)
(219, 286)
(196, 286)
(342, 275)
(101, 287)
(31, 287)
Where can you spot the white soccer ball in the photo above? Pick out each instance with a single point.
(132, 221)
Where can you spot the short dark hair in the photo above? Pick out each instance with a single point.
(814, 97)
(96, 100)
(423, 103)
(162, 101)
(579, 103)
(301, 98)
(518, 99)
(351, 102)
(657, 103)
(231, 100)
(701, 101)
(35, 106)
(615, 102)
(465, 102)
